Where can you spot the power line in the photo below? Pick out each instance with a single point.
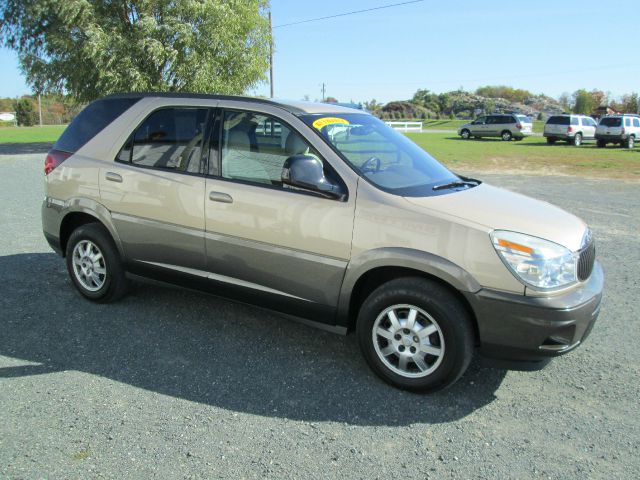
(348, 13)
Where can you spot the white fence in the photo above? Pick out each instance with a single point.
(406, 126)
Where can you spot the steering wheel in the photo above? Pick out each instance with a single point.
(371, 165)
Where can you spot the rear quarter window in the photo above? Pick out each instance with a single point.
(91, 121)
(575, 121)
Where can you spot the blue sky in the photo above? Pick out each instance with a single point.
(544, 46)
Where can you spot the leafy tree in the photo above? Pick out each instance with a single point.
(25, 112)
(599, 98)
(372, 105)
(583, 102)
(502, 91)
(629, 103)
(90, 49)
(565, 101)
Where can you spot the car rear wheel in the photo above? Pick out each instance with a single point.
(631, 142)
(465, 134)
(506, 135)
(601, 143)
(551, 140)
(415, 334)
(94, 264)
(577, 139)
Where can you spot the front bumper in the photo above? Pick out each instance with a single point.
(529, 329)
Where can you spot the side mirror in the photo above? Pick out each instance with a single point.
(307, 173)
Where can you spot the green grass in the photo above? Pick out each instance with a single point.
(44, 134)
(531, 155)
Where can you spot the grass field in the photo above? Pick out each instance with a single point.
(45, 134)
(531, 155)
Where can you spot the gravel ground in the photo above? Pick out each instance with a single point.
(175, 384)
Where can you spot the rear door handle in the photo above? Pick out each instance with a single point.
(113, 177)
(220, 197)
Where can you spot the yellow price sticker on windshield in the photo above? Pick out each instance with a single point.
(323, 122)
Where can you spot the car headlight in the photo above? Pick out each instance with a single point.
(542, 264)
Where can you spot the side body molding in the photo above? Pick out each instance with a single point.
(405, 258)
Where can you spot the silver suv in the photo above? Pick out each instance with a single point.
(622, 130)
(325, 214)
(570, 128)
(505, 126)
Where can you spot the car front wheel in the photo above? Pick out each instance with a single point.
(415, 334)
(465, 134)
(94, 264)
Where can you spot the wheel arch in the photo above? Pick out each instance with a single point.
(374, 268)
(81, 212)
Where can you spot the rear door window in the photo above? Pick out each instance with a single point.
(636, 122)
(169, 139)
(91, 121)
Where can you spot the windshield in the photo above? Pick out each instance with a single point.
(381, 155)
(524, 119)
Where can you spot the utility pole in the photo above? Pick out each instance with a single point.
(323, 90)
(270, 55)
(40, 109)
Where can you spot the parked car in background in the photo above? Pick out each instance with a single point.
(622, 130)
(570, 128)
(505, 126)
(324, 213)
(526, 122)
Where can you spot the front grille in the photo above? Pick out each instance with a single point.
(586, 260)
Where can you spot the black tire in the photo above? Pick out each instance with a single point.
(551, 140)
(113, 284)
(601, 144)
(465, 134)
(506, 135)
(577, 139)
(442, 308)
(631, 142)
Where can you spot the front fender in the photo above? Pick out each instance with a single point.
(425, 262)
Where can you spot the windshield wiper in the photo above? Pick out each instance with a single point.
(456, 184)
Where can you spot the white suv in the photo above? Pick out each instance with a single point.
(571, 128)
(619, 129)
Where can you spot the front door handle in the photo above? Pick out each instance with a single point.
(220, 197)
(113, 177)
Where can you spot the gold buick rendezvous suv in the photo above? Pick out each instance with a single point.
(324, 213)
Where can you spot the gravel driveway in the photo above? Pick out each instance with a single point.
(170, 383)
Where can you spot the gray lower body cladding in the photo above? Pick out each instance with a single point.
(521, 328)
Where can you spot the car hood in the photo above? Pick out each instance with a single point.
(499, 209)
